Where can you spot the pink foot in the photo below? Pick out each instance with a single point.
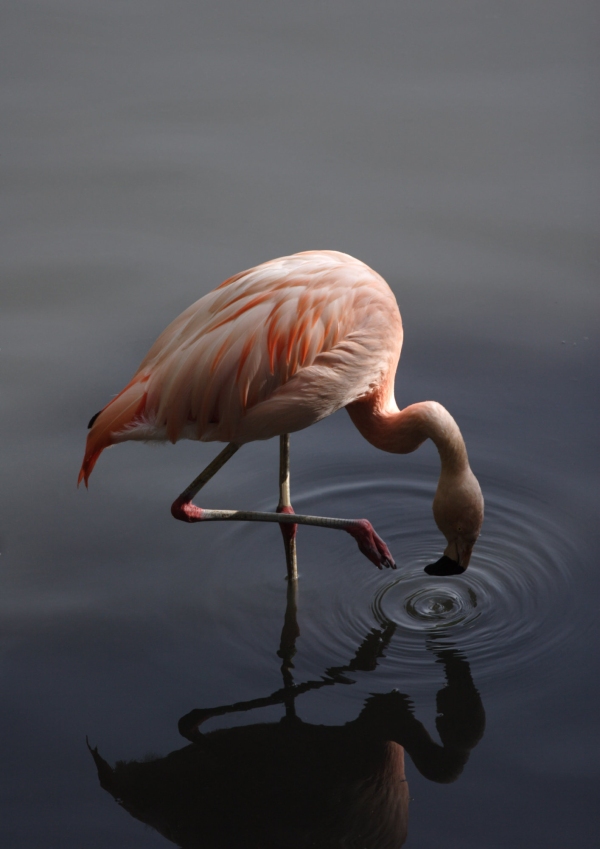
(371, 545)
(185, 511)
(288, 531)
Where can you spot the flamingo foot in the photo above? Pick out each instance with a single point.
(371, 545)
(185, 511)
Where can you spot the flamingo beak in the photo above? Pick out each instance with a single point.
(455, 559)
(444, 566)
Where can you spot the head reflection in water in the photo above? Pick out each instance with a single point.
(297, 785)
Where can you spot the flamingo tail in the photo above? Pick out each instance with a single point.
(110, 423)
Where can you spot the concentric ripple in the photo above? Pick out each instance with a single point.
(441, 607)
(512, 605)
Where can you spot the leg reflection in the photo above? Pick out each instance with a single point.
(287, 646)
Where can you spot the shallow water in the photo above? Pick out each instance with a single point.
(147, 154)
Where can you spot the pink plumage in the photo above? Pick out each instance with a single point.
(270, 351)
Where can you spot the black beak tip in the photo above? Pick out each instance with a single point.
(444, 566)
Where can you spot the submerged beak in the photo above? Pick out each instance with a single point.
(444, 566)
(455, 559)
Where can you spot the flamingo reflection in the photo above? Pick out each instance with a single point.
(292, 784)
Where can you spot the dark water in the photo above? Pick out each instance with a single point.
(150, 150)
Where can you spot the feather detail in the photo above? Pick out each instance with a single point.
(122, 412)
(271, 350)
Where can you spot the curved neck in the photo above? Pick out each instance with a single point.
(402, 431)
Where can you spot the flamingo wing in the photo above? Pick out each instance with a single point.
(270, 351)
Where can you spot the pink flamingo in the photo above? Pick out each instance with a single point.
(271, 351)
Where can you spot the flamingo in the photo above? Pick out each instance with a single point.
(271, 351)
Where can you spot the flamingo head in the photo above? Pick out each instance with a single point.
(458, 513)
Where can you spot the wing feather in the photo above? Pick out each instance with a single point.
(251, 336)
(310, 317)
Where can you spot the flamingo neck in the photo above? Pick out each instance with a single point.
(402, 431)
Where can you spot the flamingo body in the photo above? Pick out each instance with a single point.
(270, 351)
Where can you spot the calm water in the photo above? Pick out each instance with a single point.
(150, 150)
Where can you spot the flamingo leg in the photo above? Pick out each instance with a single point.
(371, 545)
(182, 508)
(285, 506)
